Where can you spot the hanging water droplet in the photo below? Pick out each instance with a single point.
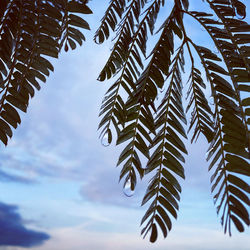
(129, 188)
(107, 138)
(211, 100)
(18, 88)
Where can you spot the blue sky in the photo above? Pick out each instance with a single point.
(59, 185)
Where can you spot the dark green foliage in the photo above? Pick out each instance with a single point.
(144, 106)
(153, 128)
(30, 33)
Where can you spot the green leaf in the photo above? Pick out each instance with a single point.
(246, 102)
(3, 137)
(78, 8)
(5, 128)
(78, 21)
(165, 217)
(162, 225)
(239, 183)
(153, 236)
(237, 223)
(12, 112)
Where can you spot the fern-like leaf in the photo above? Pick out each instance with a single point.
(30, 33)
(164, 189)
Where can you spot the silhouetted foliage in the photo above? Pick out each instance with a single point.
(155, 130)
(143, 108)
(30, 30)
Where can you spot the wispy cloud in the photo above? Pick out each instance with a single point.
(14, 233)
(7, 177)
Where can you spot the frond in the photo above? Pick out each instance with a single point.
(225, 125)
(128, 52)
(237, 64)
(30, 33)
(114, 11)
(164, 189)
(140, 121)
(223, 144)
(70, 33)
(201, 116)
(126, 34)
(152, 78)
(227, 153)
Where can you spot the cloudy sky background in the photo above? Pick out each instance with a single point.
(59, 185)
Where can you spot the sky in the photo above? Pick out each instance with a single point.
(59, 185)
